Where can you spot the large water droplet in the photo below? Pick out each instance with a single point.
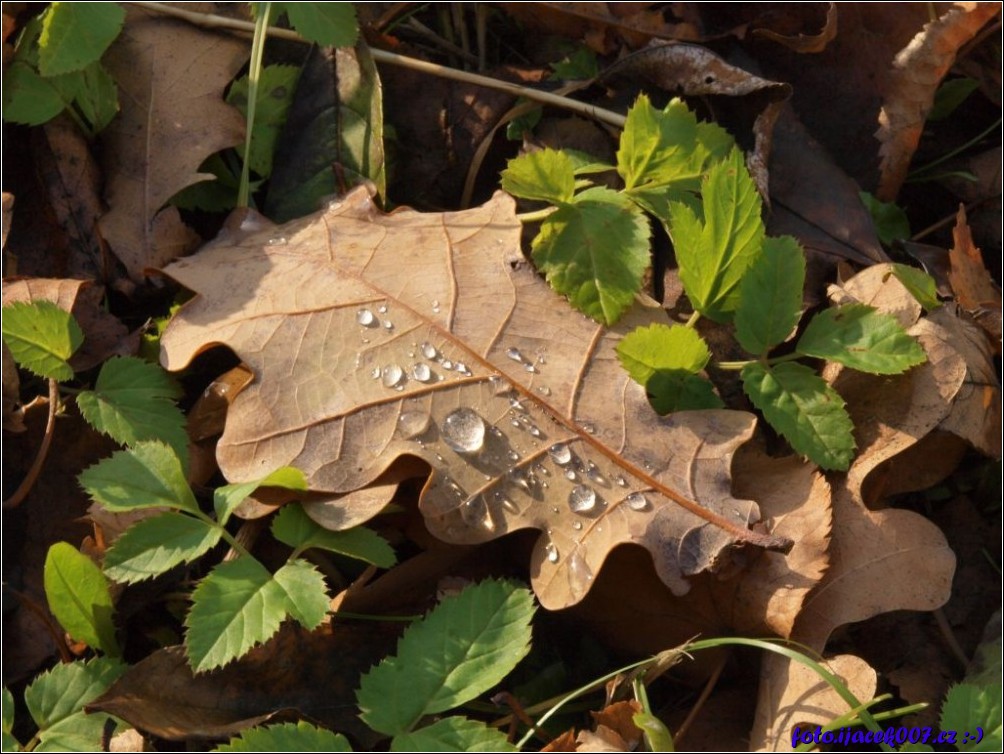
(580, 571)
(552, 552)
(464, 431)
(560, 453)
(412, 424)
(392, 375)
(520, 478)
(421, 372)
(429, 351)
(515, 355)
(365, 318)
(582, 499)
(476, 512)
(636, 501)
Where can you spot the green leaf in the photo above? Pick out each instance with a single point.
(676, 390)
(78, 595)
(298, 737)
(298, 530)
(714, 253)
(41, 338)
(580, 65)
(950, 95)
(96, 95)
(770, 296)
(462, 648)
(276, 88)
(891, 222)
(155, 545)
(28, 98)
(56, 700)
(9, 742)
(516, 128)
(74, 35)
(148, 475)
(646, 350)
(595, 252)
(228, 497)
(453, 734)
(132, 401)
(968, 706)
(657, 146)
(920, 285)
(327, 24)
(861, 338)
(306, 595)
(547, 175)
(804, 409)
(656, 733)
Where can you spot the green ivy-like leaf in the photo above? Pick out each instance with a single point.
(466, 645)
(862, 338)
(74, 35)
(770, 296)
(148, 475)
(156, 545)
(546, 175)
(920, 285)
(133, 400)
(56, 700)
(327, 24)
(595, 251)
(297, 737)
(306, 594)
(9, 742)
(29, 98)
(453, 734)
(228, 497)
(294, 527)
(41, 338)
(675, 390)
(968, 706)
(78, 595)
(276, 88)
(714, 253)
(807, 412)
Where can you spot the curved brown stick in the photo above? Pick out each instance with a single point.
(29, 481)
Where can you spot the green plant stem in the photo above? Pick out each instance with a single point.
(254, 75)
(43, 451)
(732, 366)
(376, 618)
(916, 175)
(229, 538)
(692, 320)
(536, 215)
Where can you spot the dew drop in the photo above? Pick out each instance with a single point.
(365, 317)
(544, 390)
(533, 429)
(541, 359)
(577, 525)
(382, 308)
(411, 424)
(462, 368)
(520, 478)
(513, 455)
(388, 325)
(515, 405)
(447, 364)
(277, 240)
(510, 506)
(552, 552)
(429, 351)
(421, 372)
(581, 499)
(621, 481)
(579, 570)
(589, 428)
(464, 431)
(435, 306)
(476, 512)
(530, 368)
(375, 374)
(392, 375)
(515, 422)
(636, 501)
(560, 453)
(515, 355)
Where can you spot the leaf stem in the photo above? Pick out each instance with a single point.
(254, 75)
(918, 174)
(536, 215)
(692, 319)
(732, 366)
(43, 451)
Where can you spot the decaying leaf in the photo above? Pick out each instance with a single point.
(376, 336)
(970, 280)
(804, 43)
(171, 76)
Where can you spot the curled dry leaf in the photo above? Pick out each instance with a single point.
(375, 336)
(171, 75)
(917, 71)
(804, 43)
(974, 288)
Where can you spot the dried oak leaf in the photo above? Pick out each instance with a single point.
(376, 336)
(171, 76)
(970, 280)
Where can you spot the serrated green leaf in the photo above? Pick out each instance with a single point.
(714, 253)
(29, 98)
(276, 87)
(453, 734)
(891, 222)
(133, 400)
(9, 742)
(74, 35)
(967, 707)
(306, 594)
(228, 497)
(595, 251)
(148, 475)
(862, 338)
(295, 528)
(41, 338)
(646, 350)
(155, 545)
(770, 296)
(466, 645)
(675, 390)
(298, 737)
(78, 595)
(56, 700)
(96, 95)
(657, 146)
(546, 175)
(327, 24)
(920, 285)
(806, 411)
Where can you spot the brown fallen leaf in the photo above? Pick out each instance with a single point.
(617, 718)
(801, 42)
(171, 75)
(374, 336)
(917, 71)
(971, 282)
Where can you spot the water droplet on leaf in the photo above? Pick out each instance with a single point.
(411, 424)
(421, 372)
(365, 317)
(429, 351)
(464, 431)
(392, 375)
(560, 453)
(581, 499)
(636, 501)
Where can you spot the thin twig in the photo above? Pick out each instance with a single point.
(43, 450)
(949, 636)
(210, 21)
(58, 636)
(705, 693)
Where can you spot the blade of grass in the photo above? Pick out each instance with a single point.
(254, 75)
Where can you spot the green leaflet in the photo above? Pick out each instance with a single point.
(675, 390)
(9, 743)
(295, 528)
(133, 400)
(306, 597)
(770, 296)
(804, 409)
(547, 175)
(155, 545)
(968, 706)
(860, 337)
(276, 88)
(594, 251)
(29, 98)
(891, 223)
(327, 24)
(466, 645)
(296, 737)
(148, 475)
(453, 734)
(75, 35)
(657, 146)
(41, 338)
(227, 498)
(920, 285)
(78, 596)
(714, 253)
